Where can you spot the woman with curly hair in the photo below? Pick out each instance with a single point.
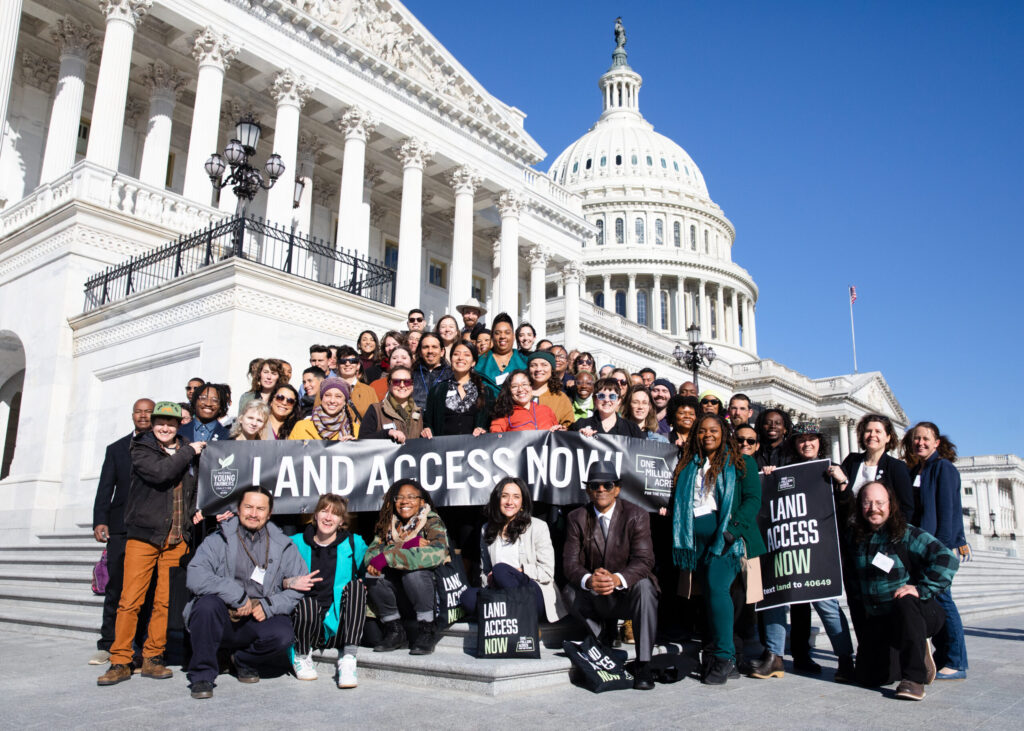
(391, 340)
(930, 455)
(516, 551)
(714, 505)
(284, 412)
(409, 542)
(514, 410)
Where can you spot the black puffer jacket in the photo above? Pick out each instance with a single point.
(155, 474)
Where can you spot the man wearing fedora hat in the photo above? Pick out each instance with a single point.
(471, 313)
(609, 564)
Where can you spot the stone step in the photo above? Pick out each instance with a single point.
(71, 595)
(51, 618)
(42, 573)
(50, 558)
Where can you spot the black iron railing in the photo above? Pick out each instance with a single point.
(244, 238)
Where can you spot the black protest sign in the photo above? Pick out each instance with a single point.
(456, 470)
(506, 623)
(798, 521)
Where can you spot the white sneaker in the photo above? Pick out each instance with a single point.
(303, 667)
(347, 672)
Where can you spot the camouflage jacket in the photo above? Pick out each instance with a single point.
(432, 552)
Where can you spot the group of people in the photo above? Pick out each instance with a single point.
(258, 590)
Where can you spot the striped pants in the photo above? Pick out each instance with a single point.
(308, 622)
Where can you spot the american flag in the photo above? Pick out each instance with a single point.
(853, 294)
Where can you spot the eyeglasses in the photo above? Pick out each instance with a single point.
(606, 396)
(875, 503)
(561, 357)
(209, 399)
(415, 319)
(401, 382)
(599, 486)
(284, 399)
(585, 360)
(621, 381)
(705, 402)
(408, 498)
(747, 440)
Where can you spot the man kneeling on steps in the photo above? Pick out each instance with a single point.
(240, 603)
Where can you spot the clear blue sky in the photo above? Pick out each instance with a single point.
(871, 143)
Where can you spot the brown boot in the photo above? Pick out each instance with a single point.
(116, 674)
(770, 666)
(153, 667)
(627, 632)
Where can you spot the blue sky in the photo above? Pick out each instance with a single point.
(879, 144)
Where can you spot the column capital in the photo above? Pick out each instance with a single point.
(210, 48)
(632, 278)
(465, 179)
(843, 420)
(510, 204)
(572, 272)
(324, 191)
(130, 11)
(38, 71)
(356, 123)
(160, 78)
(73, 39)
(538, 257)
(290, 88)
(607, 279)
(414, 153)
(371, 176)
(133, 108)
(234, 109)
(657, 280)
(309, 148)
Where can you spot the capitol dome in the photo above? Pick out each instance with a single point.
(662, 256)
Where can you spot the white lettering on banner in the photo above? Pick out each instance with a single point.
(504, 460)
(286, 478)
(453, 464)
(337, 461)
(561, 466)
(795, 533)
(403, 459)
(536, 465)
(495, 609)
(495, 645)
(318, 476)
(452, 583)
(501, 627)
(788, 506)
(477, 461)
(430, 458)
(255, 471)
(379, 475)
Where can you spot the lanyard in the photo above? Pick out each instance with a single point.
(533, 419)
(266, 559)
(423, 376)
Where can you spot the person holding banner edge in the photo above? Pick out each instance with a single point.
(409, 542)
(714, 507)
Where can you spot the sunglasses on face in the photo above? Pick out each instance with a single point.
(606, 396)
(348, 361)
(599, 486)
(705, 402)
(621, 381)
(415, 319)
(751, 441)
(585, 360)
(401, 382)
(284, 399)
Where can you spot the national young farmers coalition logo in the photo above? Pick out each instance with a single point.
(224, 480)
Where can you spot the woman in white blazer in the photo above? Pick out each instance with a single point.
(515, 550)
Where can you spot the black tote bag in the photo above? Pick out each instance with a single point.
(506, 623)
(450, 581)
(598, 668)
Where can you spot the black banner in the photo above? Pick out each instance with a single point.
(798, 521)
(458, 470)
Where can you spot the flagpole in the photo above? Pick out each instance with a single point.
(853, 335)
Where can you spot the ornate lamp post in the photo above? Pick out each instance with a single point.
(246, 181)
(698, 355)
(992, 517)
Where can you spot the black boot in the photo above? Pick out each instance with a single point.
(425, 640)
(394, 637)
(721, 669)
(846, 673)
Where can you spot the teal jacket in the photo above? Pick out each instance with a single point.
(342, 574)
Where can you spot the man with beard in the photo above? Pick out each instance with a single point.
(661, 392)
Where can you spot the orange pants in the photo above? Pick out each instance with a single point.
(139, 559)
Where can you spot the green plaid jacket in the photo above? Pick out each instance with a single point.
(918, 559)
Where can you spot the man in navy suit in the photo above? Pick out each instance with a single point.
(108, 521)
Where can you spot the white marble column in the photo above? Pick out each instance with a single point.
(464, 182)
(538, 302)
(702, 308)
(510, 203)
(719, 313)
(495, 275)
(290, 91)
(165, 85)
(609, 293)
(414, 155)
(683, 305)
(572, 275)
(214, 53)
(10, 22)
(753, 328)
(631, 298)
(854, 442)
(734, 320)
(836, 454)
(309, 148)
(654, 310)
(357, 123)
(74, 43)
(107, 124)
(844, 437)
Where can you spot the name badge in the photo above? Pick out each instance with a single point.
(389, 425)
(501, 379)
(258, 574)
(704, 509)
(883, 562)
(917, 481)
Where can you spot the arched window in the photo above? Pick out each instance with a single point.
(618, 159)
(575, 165)
(707, 248)
(633, 159)
(600, 232)
(599, 298)
(587, 166)
(659, 232)
(664, 310)
(620, 231)
(620, 303)
(650, 161)
(604, 160)
(675, 165)
(663, 163)
(641, 307)
(677, 234)
(639, 225)
(693, 237)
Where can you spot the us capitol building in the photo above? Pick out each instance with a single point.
(124, 272)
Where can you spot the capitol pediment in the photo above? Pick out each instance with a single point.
(389, 32)
(874, 391)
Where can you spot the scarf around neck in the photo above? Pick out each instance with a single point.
(331, 427)
(401, 532)
(684, 552)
